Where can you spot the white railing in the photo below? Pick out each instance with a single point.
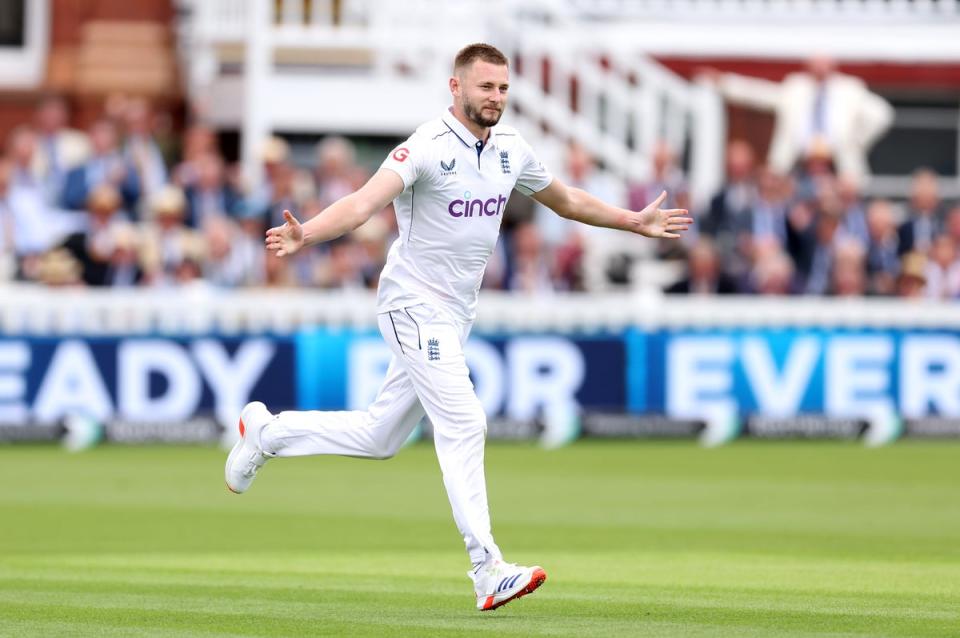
(624, 102)
(35, 310)
(767, 10)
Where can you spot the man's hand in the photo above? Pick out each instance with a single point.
(657, 222)
(287, 239)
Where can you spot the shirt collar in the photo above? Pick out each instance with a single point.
(462, 132)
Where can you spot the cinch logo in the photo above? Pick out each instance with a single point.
(476, 207)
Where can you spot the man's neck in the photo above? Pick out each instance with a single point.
(479, 132)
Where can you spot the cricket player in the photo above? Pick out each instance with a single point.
(449, 183)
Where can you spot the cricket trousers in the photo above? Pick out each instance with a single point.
(427, 375)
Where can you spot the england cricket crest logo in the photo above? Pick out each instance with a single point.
(505, 162)
(433, 349)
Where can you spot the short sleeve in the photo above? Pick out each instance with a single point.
(533, 177)
(407, 160)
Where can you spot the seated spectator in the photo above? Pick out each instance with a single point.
(924, 221)
(95, 248)
(853, 220)
(912, 279)
(167, 241)
(732, 205)
(106, 165)
(704, 275)
(335, 170)
(943, 269)
(882, 260)
(848, 274)
(60, 149)
(815, 260)
(528, 266)
(666, 176)
(772, 273)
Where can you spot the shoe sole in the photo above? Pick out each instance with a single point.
(243, 431)
(537, 579)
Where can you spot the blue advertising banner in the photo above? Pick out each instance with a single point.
(514, 375)
(780, 373)
(142, 379)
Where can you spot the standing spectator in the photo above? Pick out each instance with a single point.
(8, 262)
(815, 260)
(60, 148)
(141, 148)
(882, 258)
(198, 141)
(816, 104)
(924, 223)
(106, 165)
(35, 227)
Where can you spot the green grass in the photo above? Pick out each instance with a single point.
(665, 539)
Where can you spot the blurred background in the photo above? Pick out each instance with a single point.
(149, 144)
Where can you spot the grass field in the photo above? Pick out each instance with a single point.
(665, 539)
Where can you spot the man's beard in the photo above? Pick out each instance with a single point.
(476, 116)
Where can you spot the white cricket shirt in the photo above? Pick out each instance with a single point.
(449, 213)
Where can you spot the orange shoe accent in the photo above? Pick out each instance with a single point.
(242, 428)
(536, 579)
(230, 488)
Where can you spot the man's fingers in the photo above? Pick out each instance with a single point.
(656, 203)
(670, 236)
(290, 219)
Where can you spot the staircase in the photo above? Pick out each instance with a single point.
(380, 67)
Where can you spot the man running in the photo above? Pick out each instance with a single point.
(449, 182)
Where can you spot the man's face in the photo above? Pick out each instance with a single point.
(480, 89)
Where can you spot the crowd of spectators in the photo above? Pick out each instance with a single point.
(126, 203)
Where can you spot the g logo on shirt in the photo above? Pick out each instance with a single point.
(401, 153)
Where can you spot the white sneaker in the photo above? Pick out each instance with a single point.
(247, 457)
(497, 583)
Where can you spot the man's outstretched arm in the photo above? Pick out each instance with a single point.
(341, 217)
(581, 206)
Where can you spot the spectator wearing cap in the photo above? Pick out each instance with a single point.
(912, 278)
(924, 221)
(167, 241)
(94, 248)
(106, 165)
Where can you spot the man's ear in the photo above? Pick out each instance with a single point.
(455, 86)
